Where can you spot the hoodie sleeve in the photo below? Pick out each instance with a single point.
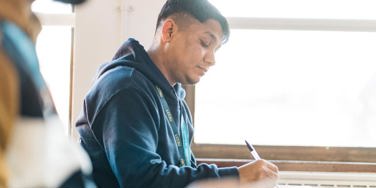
(128, 126)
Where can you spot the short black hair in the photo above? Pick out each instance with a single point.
(202, 10)
(74, 2)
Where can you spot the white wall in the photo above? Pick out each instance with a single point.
(100, 28)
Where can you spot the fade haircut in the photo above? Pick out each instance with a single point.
(201, 10)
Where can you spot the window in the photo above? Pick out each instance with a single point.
(54, 45)
(297, 78)
(292, 85)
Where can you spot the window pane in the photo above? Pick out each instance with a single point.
(51, 7)
(334, 9)
(54, 52)
(309, 88)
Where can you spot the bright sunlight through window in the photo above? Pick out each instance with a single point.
(291, 87)
(54, 53)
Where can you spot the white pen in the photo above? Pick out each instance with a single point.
(252, 150)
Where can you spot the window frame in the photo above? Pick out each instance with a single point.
(292, 158)
(63, 19)
(47, 19)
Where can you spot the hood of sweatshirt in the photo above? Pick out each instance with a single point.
(132, 54)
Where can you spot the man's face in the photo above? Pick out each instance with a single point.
(191, 51)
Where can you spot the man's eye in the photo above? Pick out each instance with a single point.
(204, 44)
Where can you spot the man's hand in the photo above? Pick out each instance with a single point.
(259, 172)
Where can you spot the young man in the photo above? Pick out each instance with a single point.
(136, 125)
(34, 152)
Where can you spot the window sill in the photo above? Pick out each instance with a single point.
(311, 166)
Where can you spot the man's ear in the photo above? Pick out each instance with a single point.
(168, 30)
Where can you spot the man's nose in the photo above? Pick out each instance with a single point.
(210, 58)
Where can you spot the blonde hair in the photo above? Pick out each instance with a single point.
(8, 110)
(18, 12)
(3, 172)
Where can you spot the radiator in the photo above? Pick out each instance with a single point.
(326, 179)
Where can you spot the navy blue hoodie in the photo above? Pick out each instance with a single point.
(126, 132)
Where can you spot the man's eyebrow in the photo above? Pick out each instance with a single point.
(212, 36)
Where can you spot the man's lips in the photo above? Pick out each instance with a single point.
(204, 69)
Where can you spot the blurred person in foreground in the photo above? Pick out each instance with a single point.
(135, 124)
(34, 151)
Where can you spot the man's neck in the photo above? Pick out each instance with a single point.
(157, 58)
